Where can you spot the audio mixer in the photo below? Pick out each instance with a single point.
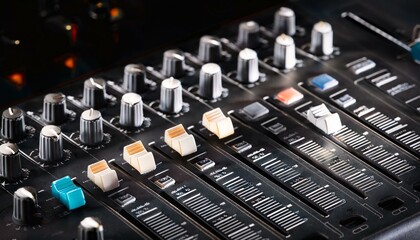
(278, 125)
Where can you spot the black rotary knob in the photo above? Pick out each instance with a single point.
(13, 124)
(131, 111)
(91, 127)
(50, 144)
(210, 49)
(249, 34)
(55, 108)
(134, 78)
(173, 64)
(210, 86)
(24, 206)
(248, 71)
(91, 228)
(171, 96)
(10, 165)
(94, 93)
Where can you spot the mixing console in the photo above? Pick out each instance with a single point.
(276, 126)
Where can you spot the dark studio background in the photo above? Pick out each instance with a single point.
(38, 53)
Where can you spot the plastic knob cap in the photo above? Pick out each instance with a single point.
(94, 93)
(131, 112)
(55, 108)
(50, 144)
(210, 49)
(210, 86)
(24, 206)
(10, 165)
(134, 78)
(13, 124)
(248, 71)
(171, 96)
(91, 127)
(173, 64)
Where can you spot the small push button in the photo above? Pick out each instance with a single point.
(289, 96)
(255, 110)
(324, 82)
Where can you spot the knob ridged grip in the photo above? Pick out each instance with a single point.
(91, 127)
(284, 52)
(50, 144)
(247, 69)
(13, 124)
(210, 86)
(55, 108)
(131, 111)
(322, 39)
(90, 228)
(134, 78)
(94, 93)
(284, 22)
(173, 64)
(171, 96)
(249, 34)
(10, 165)
(210, 49)
(24, 206)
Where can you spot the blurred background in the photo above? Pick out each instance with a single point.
(46, 43)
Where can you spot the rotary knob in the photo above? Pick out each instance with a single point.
(284, 22)
(249, 34)
(91, 127)
(10, 165)
(171, 96)
(13, 124)
(55, 108)
(90, 228)
(210, 86)
(173, 64)
(24, 206)
(322, 39)
(134, 79)
(94, 93)
(131, 111)
(210, 49)
(50, 144)
(284, 52)
(247, 69)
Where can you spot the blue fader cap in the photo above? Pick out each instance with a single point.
(69, 194)
(324, 82)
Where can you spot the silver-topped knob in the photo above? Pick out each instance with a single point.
(249, 34)
(91, 127)
(24, 206)
(50, 144)
(134, 79)
(94, 93)
(55, 108)
(284, 55)
(284, 22)
(247, 69)
(13, 124)
(210, 49)
(131, 111)
(171, 96)
(173, 64)
(10, 165)
(210, 86)
(322, 39)
(90, 228)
